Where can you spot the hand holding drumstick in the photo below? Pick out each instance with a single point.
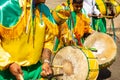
(16, 70)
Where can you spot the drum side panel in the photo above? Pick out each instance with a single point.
(101, 6)
(93, 64)
(117, 7)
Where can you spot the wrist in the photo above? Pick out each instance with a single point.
(10, 64)
(46, 61)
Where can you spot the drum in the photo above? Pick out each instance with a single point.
(109, 8)
(75, 64)
(106, 48)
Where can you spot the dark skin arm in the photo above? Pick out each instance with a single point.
(16, 70)
(46, 69)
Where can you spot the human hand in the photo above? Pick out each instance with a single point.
(16, 70)
(89, 15)
(97, 16)
(46, 69)
(71, 42)
(100, 16)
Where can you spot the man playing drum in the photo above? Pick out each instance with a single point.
(27, 31)
(76, 25)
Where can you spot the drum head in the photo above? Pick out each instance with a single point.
(72, 63)
(106, 48)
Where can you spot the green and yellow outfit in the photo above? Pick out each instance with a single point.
(74, 27)
(24, 32)
(99, 24)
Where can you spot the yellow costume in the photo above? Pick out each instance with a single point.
(76, 25)
(23, 39)
(80, 27)
(20, 40)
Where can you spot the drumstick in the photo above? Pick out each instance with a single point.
(67, 67)
(21, 77)
(102, 16)
(58, 66)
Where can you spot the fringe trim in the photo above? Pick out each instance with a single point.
(52, 27)
(14, 31)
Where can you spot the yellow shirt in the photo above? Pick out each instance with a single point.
(81, 27)
(23, 43)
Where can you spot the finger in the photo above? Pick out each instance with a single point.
(50, 70)
(20, 71)
(46, 71)
(21, 77)
(43, 73)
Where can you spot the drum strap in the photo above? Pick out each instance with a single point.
(113, 28)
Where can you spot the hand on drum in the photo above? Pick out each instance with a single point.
(97, 16)
(100, 16)
(67, 42)
(46, 69)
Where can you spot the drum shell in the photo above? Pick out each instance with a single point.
(104, 7)
(74, 54)
(105, 46)
(101, 6)
(117, 7)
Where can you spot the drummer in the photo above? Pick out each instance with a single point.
(76, 26)
(98, 23)
(20, 54)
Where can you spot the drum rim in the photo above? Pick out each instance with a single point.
(86, 58)
(108, 62)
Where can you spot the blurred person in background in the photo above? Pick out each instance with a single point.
(98, 22)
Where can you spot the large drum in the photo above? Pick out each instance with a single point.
(105, 46)
(109, 8)
(75, 64)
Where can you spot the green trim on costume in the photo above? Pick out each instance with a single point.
(56, 43)
(11, 11)
(44, 9)
(72, 21)
(99, 24)
(30, 73)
